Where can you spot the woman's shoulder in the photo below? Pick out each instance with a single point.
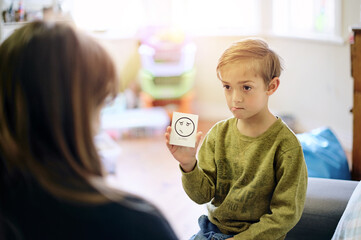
(127, 217)
(134, 212)
(135, 205)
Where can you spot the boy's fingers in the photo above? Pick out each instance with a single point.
(169, 129)
(198, 138)
(167, 133)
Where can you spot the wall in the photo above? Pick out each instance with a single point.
(316, 86)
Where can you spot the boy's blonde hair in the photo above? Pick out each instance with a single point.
(262, 60)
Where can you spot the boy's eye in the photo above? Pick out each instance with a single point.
(247, 88)
(226, 87)
(187, 124)
(181, 123)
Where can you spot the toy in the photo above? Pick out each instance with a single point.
(167, 68)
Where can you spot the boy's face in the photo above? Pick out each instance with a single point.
(245, 91)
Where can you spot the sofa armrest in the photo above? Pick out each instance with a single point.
(326, 200)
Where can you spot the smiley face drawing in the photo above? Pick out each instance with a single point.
(184, 127)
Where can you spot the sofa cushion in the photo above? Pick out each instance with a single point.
(326, 200)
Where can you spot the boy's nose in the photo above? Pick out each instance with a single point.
(237, 96)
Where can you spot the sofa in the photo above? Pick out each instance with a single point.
(326, 200)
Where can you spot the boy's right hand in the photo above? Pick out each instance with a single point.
(186, 156)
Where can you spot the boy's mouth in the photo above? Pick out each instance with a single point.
(236, 108)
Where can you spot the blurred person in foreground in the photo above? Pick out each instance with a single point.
(53, 82)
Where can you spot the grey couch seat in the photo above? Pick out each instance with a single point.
(326, 200)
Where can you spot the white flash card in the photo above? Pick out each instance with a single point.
(184, 129)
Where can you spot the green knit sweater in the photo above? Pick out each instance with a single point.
(256, 186)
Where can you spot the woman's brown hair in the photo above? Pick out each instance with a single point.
(53, 82)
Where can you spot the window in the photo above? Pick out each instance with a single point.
(109, 15)
(195, 16)
(312, 19)
(236, 17)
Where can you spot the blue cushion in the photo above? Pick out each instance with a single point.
(324, 155)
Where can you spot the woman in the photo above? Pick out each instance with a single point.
(53, 82)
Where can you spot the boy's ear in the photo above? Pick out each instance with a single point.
(273, 85)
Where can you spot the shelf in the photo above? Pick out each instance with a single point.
(8, 28)
(14, 24)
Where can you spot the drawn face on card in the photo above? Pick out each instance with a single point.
(184, 127)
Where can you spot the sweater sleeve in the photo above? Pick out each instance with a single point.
(287, 201)
(199, 184)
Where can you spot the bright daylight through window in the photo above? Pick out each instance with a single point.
(307, 19)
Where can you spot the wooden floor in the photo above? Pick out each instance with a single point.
(146, 167)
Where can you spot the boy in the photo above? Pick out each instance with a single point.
(251, 166)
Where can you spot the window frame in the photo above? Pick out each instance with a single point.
(335, 38)
(264, 28)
